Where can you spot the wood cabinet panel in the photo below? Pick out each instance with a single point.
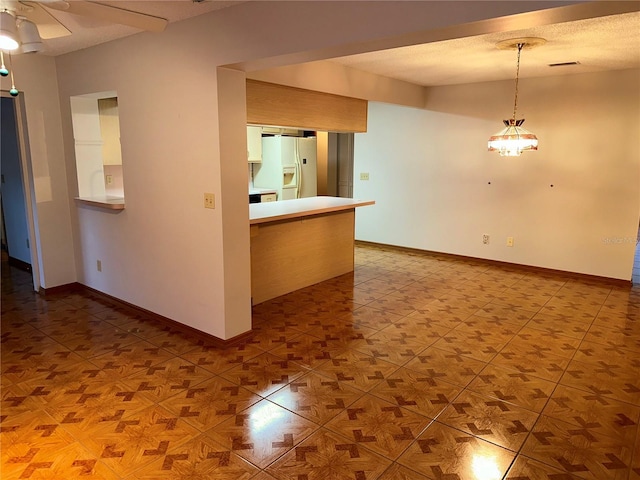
(273, 104)
(289, 255)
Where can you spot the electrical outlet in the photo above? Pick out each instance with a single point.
(109, 179)
(509, 241)
(364, 176)
(485, 239)
(209, 200)
(99, 265)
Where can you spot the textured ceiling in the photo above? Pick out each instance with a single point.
(604, 43)
(89, 31)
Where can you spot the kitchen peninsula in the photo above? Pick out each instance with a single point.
(300, 242)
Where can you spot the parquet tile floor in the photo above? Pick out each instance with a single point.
(414, 367)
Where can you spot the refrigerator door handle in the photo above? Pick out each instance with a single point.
(299, 182)
(298, 170)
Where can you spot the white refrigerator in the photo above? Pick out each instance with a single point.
(289, 166)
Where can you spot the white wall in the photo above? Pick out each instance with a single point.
(430, 173)
(165, 252)
(35, 77)
(236, 264)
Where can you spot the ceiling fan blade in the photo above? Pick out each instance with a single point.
(112, 14)
(48, 25)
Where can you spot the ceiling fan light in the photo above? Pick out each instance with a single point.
(8, 32)
(30, 37)
(513, 140)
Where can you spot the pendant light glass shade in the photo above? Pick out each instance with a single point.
(513, 140)
(29, 37)
(8, 32)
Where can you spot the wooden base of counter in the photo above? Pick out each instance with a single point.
(293, 254)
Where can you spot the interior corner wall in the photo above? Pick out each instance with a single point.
(571, 206)
(35, 77)
(235, 208)
(163, 251)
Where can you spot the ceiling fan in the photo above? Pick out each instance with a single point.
(25, 23)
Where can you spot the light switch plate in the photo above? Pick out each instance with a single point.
(209, 200)
(364, 176)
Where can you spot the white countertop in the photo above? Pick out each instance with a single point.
(262, 191)
(301, 207)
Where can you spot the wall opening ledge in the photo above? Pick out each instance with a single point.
(108, 203)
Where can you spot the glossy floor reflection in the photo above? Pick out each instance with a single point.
(414, 367)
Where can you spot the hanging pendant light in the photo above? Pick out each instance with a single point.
(4, 71)
(514, 139)
(8, 31)
(13, 91)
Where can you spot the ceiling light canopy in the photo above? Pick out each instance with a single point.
(514, 139)
(8, 32)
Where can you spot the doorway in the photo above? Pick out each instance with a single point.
(16, 201)
(340, 165)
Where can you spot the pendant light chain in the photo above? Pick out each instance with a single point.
(515, 102)
(512, 140)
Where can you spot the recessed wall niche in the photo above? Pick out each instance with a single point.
(96, 132)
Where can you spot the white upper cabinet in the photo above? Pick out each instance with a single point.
(254, 144)
(110, 130)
